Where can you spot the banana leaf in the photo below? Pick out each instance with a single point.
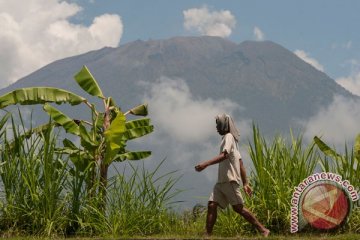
(138, 123)
(67, 123)
(141, 110)
(85, 139)
(39, 95)
(137, 132)
(326, 149)
(113, 136)
(79, 158)
(88, 83)
(132, 156)
(69, 144)
(114, 132)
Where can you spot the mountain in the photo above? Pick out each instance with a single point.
(272, 84)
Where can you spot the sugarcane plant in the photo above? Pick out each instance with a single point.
(102, 139)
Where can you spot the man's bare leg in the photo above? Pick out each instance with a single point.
(211, 217)
(251, 219)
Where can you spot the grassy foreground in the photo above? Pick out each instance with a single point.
(44, 196)
(279, 237)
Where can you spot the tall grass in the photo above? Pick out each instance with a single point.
(43, 194)
(278, 168)
(140, 201)
(33, 177)
(346, 165)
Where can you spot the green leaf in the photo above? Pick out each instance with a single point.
(113, 136)
(132, 156)
(357, 148)
(3, 123)
(138, 123)
(141, 110)
(79, 158)
(38, 130)
(67, 123)
(88, 83)
(39, 95)
(117, 128)
(326, 149)
(42, 129)
(85, 139)
(69, 144)
(137, 132)
(112, 102)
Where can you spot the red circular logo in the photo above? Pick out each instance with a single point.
(325, 206)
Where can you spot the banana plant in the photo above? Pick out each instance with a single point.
(102, 138)
(347, 164)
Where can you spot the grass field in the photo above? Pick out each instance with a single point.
(283, 237)
(44, 195)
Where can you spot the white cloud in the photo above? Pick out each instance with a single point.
(180, 115)
(306, 57)
(37, 32)
(258, 34)
(185, 127)
(351, 83)
(215, 23)
(336, 124)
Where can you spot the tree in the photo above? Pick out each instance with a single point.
(102, 139)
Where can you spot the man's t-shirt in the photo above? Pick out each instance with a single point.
(229, 169)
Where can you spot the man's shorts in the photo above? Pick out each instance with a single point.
(226, 193)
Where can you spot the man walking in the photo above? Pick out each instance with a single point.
(231, 172)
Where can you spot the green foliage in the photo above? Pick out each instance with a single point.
(102, 139)
(346, 165)
(39, 95)
(33, 178)
(278, 168)
(46, 193)
(140, 201)
(88, 83)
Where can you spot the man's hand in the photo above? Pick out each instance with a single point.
(247, 189)
(200, 167)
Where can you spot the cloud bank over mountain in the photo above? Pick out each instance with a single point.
(352, 82)
(337, 123)
(180, 114)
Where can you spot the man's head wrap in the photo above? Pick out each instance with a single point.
(225, 124)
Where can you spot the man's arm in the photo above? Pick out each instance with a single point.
(244, 180)
(221, 157)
